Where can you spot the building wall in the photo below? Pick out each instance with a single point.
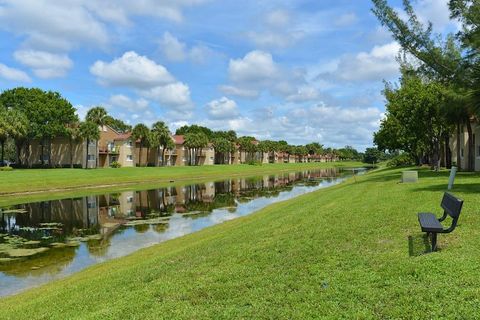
(60, 152)
(125, 150)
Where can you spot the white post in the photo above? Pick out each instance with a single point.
(453, 171)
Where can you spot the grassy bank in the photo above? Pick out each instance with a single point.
(352, 251)
(50, 183)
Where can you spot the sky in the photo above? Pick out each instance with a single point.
(300, 71)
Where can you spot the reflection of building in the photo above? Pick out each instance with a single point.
(77, 213)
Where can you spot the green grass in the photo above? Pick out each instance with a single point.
(341, 252)
(40, 184)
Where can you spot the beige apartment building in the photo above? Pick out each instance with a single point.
(463, 147)
(59, 152)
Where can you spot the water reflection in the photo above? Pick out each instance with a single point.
(42, 241)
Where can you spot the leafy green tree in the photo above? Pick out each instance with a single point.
(89, 131)
(415, 120)
(223, 146)
(141, 133)
(48, 113)
(372, 155)
(161, 134)
(97, 115)
(4, 131)
(74, 135)
(195, 129)
(195, 142)
(246, 145)
(314, 148)
(117, 124)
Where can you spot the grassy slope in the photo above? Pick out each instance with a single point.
(338, 252)
(46, 179)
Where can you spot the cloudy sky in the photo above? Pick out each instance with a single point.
(296, 70)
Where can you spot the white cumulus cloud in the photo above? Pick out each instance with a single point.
(13, 74)
(378, 64)
(44, 64)
(222, 108)
(131, 70)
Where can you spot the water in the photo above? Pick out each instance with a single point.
(48, 240)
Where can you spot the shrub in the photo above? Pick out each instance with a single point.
(7, 168)
(254, 162)
(115, 164)
(401, 160)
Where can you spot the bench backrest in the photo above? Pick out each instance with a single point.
(452, 205)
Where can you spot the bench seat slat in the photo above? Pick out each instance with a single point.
(429, 222)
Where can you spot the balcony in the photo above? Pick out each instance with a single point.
(108, 150)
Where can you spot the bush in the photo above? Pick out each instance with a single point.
(401, 160)
(7, 168)
(254, 162)
(115, 164)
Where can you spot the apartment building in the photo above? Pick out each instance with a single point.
(463, 149)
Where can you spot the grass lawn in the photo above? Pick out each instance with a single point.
(50, 183)
(351, 251)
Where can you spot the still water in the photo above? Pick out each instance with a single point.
(48, 240)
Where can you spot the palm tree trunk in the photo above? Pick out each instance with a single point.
(448, 152)
(3, 152)
(163, 156)
(71, 153)
(459, 159)
(471, 148)
(140, 155)
(86, 159)
(50, 152)
(42, 150)
(19, 149)
(96, 156)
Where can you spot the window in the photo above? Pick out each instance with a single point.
(129, 143)
(461, 152)
(92, 143)
(44, 157)
(129, 199)
(91, 157)
(129, 157)
(91, 205)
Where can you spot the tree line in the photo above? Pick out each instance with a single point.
(438, 93)
(32, 114)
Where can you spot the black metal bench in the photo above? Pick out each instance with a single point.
(431, 225)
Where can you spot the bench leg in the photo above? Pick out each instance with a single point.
(434, 241)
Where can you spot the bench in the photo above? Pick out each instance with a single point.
(429, 223)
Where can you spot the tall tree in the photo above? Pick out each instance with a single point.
(161, 134)
(246, 145)
(89, 131)
(224, 147)
(117, 124)
(195, 142)
(4, 131)
(141, 133)
(97, 115)
(74, 135)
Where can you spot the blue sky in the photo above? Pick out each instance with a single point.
(296, 70)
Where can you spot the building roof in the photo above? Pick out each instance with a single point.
(178, 138)
(123, 136)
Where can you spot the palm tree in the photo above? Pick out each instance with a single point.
(140, 132)
(162, 135)
(13, 124)
(4, 131)
(19, 126)
(74, 134)
(195, 142)
(89, 131)
(97, 115)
